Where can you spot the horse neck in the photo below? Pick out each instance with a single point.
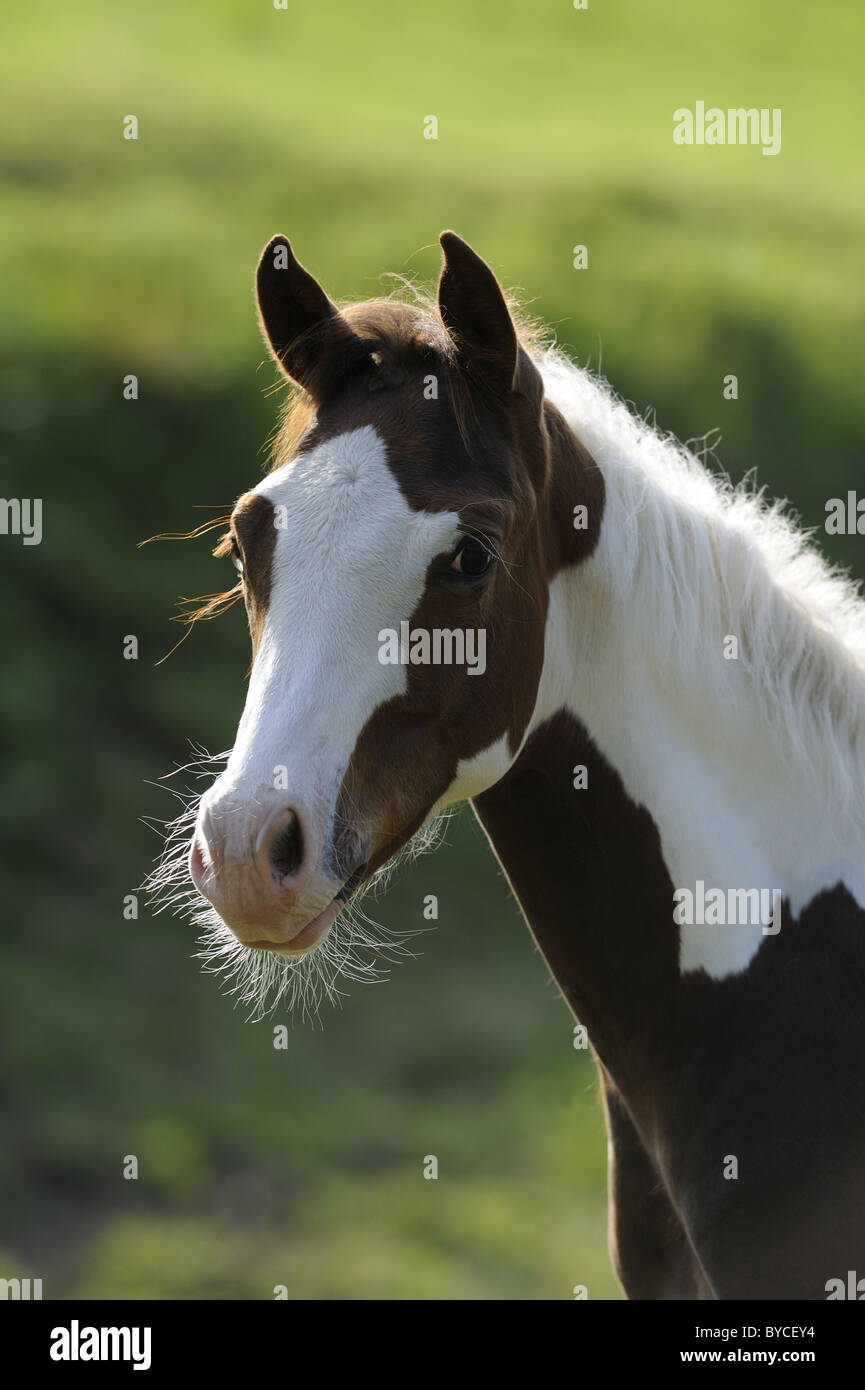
(691, 775)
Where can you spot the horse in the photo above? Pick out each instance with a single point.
(664, 744)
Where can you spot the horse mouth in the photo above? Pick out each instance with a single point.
(351, 883)
(316, 930)
(308, 936)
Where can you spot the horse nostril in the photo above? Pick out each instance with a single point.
(286, 852)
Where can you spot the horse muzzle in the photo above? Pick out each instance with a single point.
(258, 864)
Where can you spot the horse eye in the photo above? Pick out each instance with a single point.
(473, 558)
(236, 557)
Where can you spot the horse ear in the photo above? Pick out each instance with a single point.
(299, 321)
(474, 312)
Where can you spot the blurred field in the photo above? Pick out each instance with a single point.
(303, 1167)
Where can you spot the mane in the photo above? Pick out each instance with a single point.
(709, 558)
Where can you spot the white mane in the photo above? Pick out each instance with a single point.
(703, 558)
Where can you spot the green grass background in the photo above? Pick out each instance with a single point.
(303, 1166)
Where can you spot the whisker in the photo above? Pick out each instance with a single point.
(356, 950)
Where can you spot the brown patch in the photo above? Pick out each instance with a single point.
(253, 524)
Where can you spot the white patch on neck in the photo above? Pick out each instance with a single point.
(729, 813)
(476, 774)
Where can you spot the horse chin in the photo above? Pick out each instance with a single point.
(306, 939)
